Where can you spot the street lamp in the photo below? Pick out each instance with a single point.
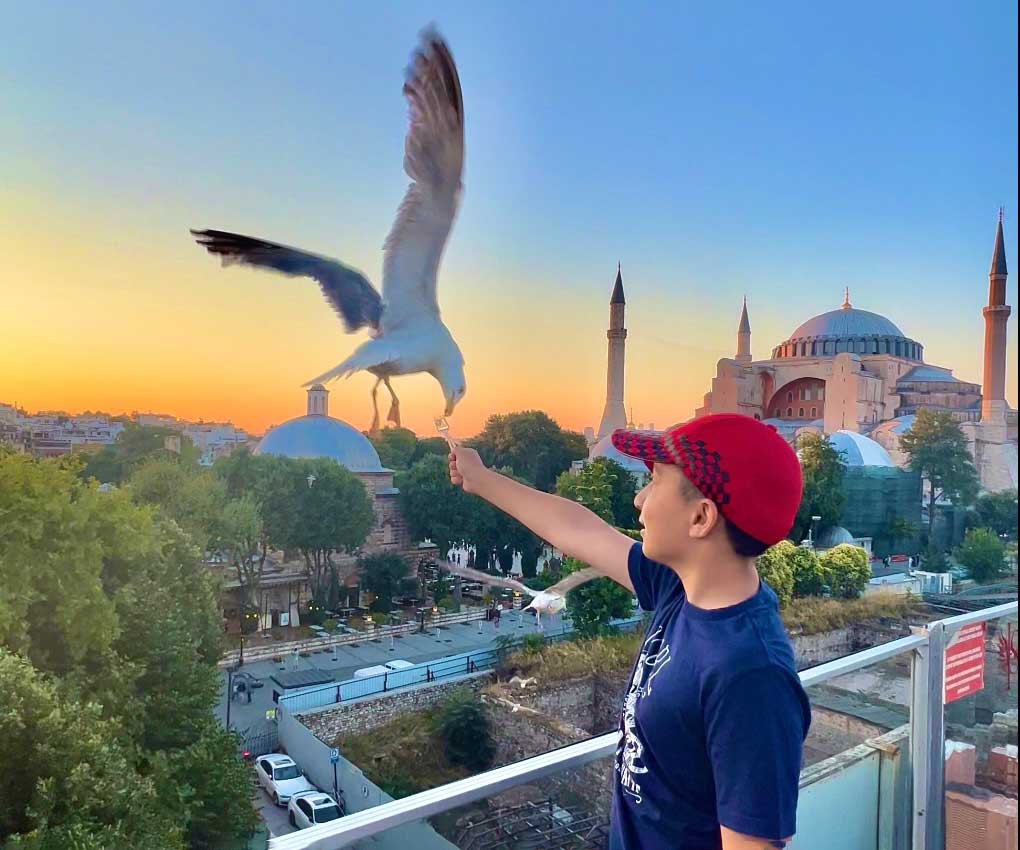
(811, 530)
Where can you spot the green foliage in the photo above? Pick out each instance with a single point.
(69, 779)
(532, 644)
(431, 505)
(937, 449)
(111, 599)
(821, 467)
(575, 658)
(136, 443)
(593, 605)
(192, 497)
(998, 512)
(531, 444)
(775, 566)
(396, 447)
(935, 560)
(847, 571)
(381, 575)
(812, 615)
(808, 573)
(608, 489)
(983, 554)
(463, 727)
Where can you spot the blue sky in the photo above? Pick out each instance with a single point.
(783, 151)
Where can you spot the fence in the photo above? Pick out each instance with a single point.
(264, 740)
(261, 653)
(923, 786)
(442, 669)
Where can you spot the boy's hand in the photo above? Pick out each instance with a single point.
(466, 468)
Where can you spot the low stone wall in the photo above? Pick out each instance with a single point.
(372, 712)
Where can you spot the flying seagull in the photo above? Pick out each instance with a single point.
(550, 600)
(407, 333)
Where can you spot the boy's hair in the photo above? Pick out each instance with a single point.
(742, 542)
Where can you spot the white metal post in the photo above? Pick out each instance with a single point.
(927, 739)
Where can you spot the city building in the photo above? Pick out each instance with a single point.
(284, 587)
(854, 370)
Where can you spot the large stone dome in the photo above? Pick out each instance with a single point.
(848, 330)
(858, 450)
(319, 435)
(847, 322)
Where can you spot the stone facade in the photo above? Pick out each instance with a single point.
(367, 714)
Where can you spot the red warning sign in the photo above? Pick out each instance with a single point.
(965, 662)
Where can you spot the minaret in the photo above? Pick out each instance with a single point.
(614, 416)
(744, 336)
(993, 387)
(318, 400)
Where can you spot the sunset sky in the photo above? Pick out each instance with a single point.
(715, 150)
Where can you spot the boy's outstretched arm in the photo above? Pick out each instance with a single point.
(568, 526)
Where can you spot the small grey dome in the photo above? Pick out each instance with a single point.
(316, 435)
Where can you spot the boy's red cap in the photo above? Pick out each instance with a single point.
(739, 463)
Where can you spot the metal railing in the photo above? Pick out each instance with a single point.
(442, 669)
(926, 648)
(321, 642)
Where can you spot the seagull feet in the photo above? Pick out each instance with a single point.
(394, 414)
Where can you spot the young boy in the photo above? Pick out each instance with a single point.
(715, 717)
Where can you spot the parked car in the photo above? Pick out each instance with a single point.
(308, 808)
(281, 777)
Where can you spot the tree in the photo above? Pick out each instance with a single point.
(433, 508)
(821, 467)
(381, 575)
(463, 727)
(607, 485)
(108, 598)
(430, 446)
(847, 571)
(531, 444)
(898, 528)
(335, 514)
(998, 512)
(69, 779)
(191, 496)
(242, 540)
(776, 570)
(937, 449)
(396, 447)
(114, 464)
(983, 554)
(593, 605)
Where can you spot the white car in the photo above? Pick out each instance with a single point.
(281, 777)
(308, 808)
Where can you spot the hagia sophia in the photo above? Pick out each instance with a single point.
(852, 373)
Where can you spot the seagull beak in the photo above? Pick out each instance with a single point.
(450, 405)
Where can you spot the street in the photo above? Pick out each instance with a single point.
(250, 719)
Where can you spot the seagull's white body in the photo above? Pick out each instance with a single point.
(408, 334)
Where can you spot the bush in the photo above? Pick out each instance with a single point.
(532, 644)
(808, 573)
(846, 570)
(983, 554)
(776, 569)
(812, 615)
(463, 727)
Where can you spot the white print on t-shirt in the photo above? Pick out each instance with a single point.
(630, 750)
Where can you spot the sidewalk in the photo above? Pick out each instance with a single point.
(415, 648)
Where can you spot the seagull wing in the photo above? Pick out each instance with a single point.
(434, 160)
(562, 588)
(485, 578)
(347, 290)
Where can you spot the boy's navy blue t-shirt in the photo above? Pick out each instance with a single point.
(713, 724)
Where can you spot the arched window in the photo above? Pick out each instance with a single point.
(789, 395)
(789, 411)
(800, 412)
(814, 412)
(851, 346)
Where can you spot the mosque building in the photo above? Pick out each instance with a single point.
(318, 435)
(854, 370)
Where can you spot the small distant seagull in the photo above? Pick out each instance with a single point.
(408, 334)
(550, 600)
